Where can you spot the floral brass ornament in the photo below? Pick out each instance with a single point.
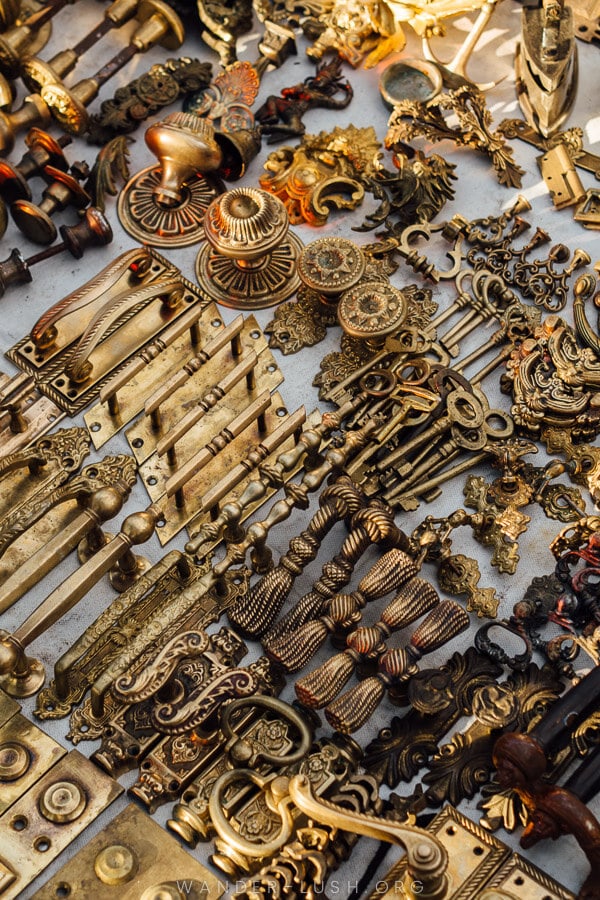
(411, 119)
(327, 171)
(229, 98)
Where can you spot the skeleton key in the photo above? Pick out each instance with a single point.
(462, 407)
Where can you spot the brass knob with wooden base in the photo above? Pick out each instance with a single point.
(159, 25)
(249, 260)
(33, 220)
(35, 72)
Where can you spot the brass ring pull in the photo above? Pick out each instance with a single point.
(226, 831)
(282, 709)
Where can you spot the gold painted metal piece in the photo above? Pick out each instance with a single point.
(159, 24)
(228, 98)
(477, 862)
(26, 753)
(49, 816)
(546, 65)
(69, 517)
(371, 310)
(249, 259)
(560, 175)
(16, 40)
(123, 396)
(133, 858)
(77, 344)
(165, 204)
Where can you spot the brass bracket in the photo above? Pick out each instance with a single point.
(133, 858)
(559, 173)
(48, 817)
(80, 342)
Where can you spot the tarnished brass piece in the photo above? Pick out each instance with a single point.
(167, 404)
(41, 468)
(546, 65)
(122, 397)
(70, 517)
(586, 16)
(37, 72)
(47, 818)
(228, 98)
(16, 40)
(141, 291)
(192, 607)
(371, 310)
(563, 182)
(21, 675)
(249, 258)
(34, 219)
(99, 647)
(412, 118)
(588, 210)
(26, 753)
(159, 24)
(133, 858)
(8, 708)
(477, 861)
(166, 204)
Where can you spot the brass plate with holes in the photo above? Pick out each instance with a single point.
(519, 877)
(49, 817)
(8, 707)
(39, 413)
(143, 438)
(131, 397)
(131, 859)
(26, 752)
(473, 853)
(175, 519)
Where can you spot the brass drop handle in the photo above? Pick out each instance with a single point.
(125, 273)
(79, 366)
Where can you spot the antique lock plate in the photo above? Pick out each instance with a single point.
(477, 860)
(49, 817)
(132, 858)
(26, 753)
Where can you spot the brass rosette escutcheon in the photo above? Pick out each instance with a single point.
(250, 259)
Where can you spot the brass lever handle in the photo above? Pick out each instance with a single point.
(427, 859)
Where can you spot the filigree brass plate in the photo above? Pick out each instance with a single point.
(26, 753)
(132, 858)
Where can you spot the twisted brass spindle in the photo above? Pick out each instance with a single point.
(266, 598)
(292, 649)
(349, 712)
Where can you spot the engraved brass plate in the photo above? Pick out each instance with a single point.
(26, 753)
(143, 437)
(132, 858)
(132, 395)
(472, 854)
(50, 815)
(519, 877)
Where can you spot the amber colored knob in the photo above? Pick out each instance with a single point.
(184, 145)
